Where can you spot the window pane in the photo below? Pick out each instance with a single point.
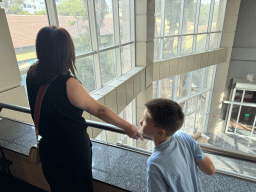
(126, 58)
(172, 17)
(217, 15)
(196, 81)
(205, 98)
(238, 96)
(86, 74)
(125, 20)
(208, 77)
(158, 11)
(201, 42)
(214, 40)
(182, 90)
(104, 16)
(189, 17)
(155, 89)
(190, 123)
(246, 120)
(157, 49)
(192, 104)
(183, 106)
(167, 86)
(73, 16)
(108, 65)
(186, 44)
(250, 97)
(170, 47)
(113, 137)
(202, 124)
(204, 16)
(233, 118)
(24, 29)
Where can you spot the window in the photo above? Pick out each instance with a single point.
(102, 32)
(187, 26)
(187, 90)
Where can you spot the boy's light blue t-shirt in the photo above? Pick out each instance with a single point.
(172, 166)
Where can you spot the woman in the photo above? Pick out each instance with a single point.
(65, 147)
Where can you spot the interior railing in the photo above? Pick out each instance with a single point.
(205, 148)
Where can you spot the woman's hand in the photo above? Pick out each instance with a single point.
(133, 133)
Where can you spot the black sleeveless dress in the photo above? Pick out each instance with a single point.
(65, 147)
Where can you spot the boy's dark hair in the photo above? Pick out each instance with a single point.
(166, 114)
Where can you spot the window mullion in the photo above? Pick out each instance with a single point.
(175, 87)
(52, 14)
(132, 31)
(180, 27)
(95, 43)
(115, 6)
(209, 24)
(162, 29)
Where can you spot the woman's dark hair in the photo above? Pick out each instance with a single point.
(166, 114)
(56, 53)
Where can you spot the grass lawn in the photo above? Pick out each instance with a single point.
(26, 56)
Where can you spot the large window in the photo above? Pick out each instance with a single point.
(193, 92)
(102, 32)
(187, 26)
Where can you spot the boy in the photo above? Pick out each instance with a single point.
(173, 164)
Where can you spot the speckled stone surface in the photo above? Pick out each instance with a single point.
(116, 166)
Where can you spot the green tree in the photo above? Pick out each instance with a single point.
(14, 7)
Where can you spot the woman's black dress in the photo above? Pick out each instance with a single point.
(65, 147)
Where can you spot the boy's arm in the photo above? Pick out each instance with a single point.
(206, 166)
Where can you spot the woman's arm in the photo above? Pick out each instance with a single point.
(79, 97)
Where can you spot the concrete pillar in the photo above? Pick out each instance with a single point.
(217, 114)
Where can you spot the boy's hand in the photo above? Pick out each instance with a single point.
(134, 133)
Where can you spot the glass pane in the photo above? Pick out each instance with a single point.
(24, 23)
(196, 81)
(170, 47)
(250, 97)
(172, 17)
(190, 123)
(214, 40)
(246, 120)
(208, 77)
(186, 44)
(85, 73)
(113, 137)
(217, 15)
(201, 42)
(167, 86)
(125, 20)
(205, 98)
(238, 95)
(183, 106)
(104, 17)
(155, 87)
(192, 104)
(202, 123)
(73, 16)
(233, 118)
(126, 58)
(204, 16)
(158, 11)
(182, 89)
(108, 65)
(189, 16)
(157, 49)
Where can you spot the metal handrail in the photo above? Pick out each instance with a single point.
(105, 126)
